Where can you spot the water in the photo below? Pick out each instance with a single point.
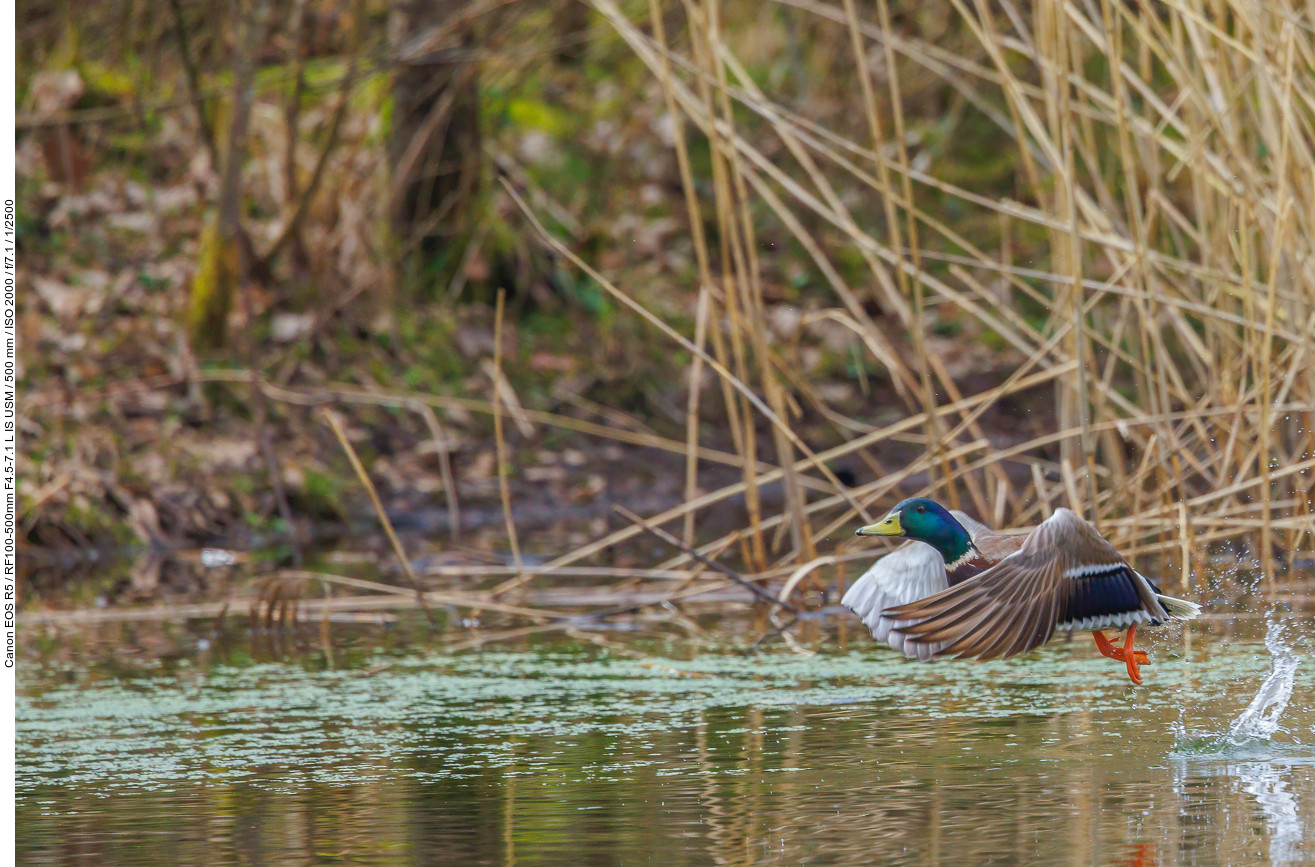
(568, 754)
(1260, 721)
(1262, 767)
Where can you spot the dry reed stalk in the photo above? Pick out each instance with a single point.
(801, 532)
(1185, 552)
(336, 424)
(711, 564)
(744, 256)
(704, 23)
(1074, 259)
(461, 600)
(704, 303)
(1267, 346)
(899, 303)
(911, 279)
(712, 553)
(659, 573)
(701, 315)
(811, 459)
(1041, 490)
(504, 467)
(444, 468)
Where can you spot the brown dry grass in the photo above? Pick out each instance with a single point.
(1166, 161)
(1177, 198)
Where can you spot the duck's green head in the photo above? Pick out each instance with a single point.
(921, 519)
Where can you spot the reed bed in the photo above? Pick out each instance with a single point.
(1165, 165)
(1166, 155)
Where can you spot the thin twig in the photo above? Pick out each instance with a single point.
(275, 467)
(292, 228)
(711, 564)
(336, 423)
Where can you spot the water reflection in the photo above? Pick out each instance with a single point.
(1270, 788)
(1275, 790)
(574, 757)
(1268, 777)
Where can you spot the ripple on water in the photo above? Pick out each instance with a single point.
(849, 759)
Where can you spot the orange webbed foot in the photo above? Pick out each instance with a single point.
(1130, 655)
(1126, 654)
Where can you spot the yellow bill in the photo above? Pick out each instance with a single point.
(887, 526)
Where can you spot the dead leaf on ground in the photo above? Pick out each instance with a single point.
(220, 452)
(548, 361)
(481, 468)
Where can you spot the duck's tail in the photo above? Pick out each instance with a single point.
(1178, 609)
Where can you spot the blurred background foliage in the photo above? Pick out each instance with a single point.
(1014, 254)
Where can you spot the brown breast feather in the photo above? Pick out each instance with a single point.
(991, 550)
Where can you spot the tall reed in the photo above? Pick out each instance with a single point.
(1164, 153)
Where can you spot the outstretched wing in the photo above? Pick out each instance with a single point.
(1066, 576)
(911, 572)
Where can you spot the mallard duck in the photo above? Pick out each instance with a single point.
(960, 590)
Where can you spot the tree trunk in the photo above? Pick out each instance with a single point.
(434, 147)
(225, 253)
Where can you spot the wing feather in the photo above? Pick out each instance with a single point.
(1037, 627)
(1016, 605)
(1000, 620)
(992, 632)
(1002, 635)
(911, 572)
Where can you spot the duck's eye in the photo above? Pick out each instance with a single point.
(922, 508)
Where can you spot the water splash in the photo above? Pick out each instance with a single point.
(1250, 736)
(1260, 720)
(1259, 766)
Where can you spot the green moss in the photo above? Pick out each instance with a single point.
(212, 288)
(993, 341)
(528, 114)
(375, 95)
(321, 496)
(106, 80)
